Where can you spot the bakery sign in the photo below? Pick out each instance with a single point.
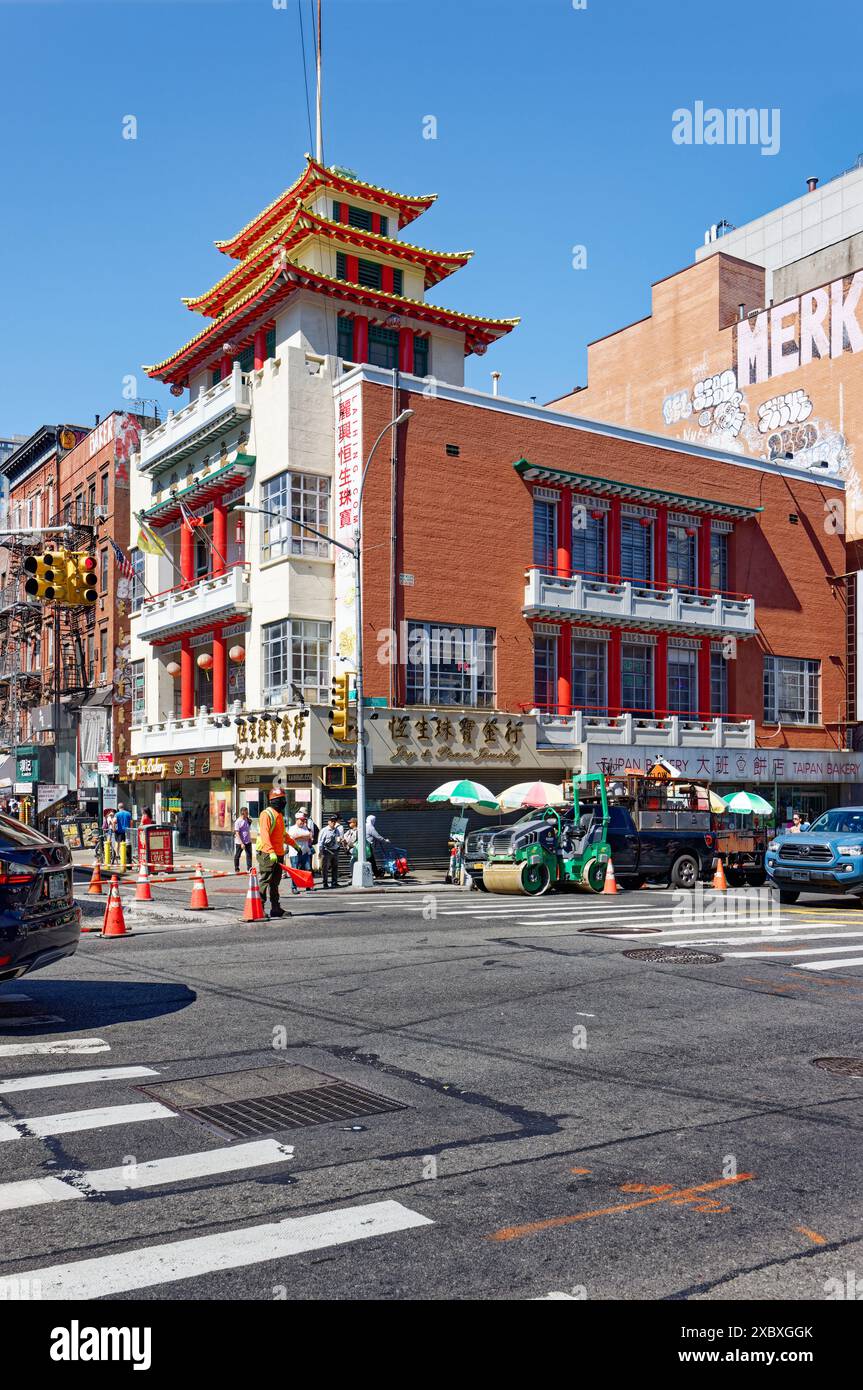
(187, 765)
(457, 738)
(268, 739)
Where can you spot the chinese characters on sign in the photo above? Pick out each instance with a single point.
(348, 475)
(271, 737)
(734, 765)
(439, 738)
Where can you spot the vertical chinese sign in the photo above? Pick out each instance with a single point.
(348, 475)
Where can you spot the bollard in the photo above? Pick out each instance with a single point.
(124, 856)
(107, 853)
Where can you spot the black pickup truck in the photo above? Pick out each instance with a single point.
(674, 847)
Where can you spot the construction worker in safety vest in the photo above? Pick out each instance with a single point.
(270, 850)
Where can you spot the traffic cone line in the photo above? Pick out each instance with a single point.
(96, 880)
(143, 893)
(720, 882)
(253, 909)
(198, 901)
(114, 923)
(610, 884)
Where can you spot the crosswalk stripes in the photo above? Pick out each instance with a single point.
(74, 1121)
(75, 1186)
(148, 1265)
(710, 924)
(56, 1047)
(151, 1265)
(49, 1080)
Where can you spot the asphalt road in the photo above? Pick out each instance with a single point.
(571, 1121)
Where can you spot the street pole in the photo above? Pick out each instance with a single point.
(362, 870)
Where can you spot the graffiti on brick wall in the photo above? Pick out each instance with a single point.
(791, 408)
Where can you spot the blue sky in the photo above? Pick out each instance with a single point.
(553, 130)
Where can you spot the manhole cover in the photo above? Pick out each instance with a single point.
(673, 955)
(840, 1066)
(245, 1103)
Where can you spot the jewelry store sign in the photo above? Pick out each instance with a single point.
(456, 739)
(760, 765)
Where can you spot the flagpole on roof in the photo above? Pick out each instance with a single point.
(319, 142)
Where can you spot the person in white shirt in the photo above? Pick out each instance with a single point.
(301, 858)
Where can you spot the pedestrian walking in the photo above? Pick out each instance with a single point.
(374, 840)
(122, 822)
(242, 839)
(270, 847)
(328, 847)
(301, 837)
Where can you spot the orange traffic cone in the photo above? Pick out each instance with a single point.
(198, 901)
(114, 923)
(610, 885)
(720, 882)
(143, 891)
(254, 908)
(96, 880)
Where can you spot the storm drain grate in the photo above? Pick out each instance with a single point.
(840, 1066)
(673, 955)
(293, 1109)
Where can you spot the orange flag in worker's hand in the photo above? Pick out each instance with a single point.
(301, 877)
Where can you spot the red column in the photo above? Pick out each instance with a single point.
(704, 677)
(376, 223)
(564, 671)
(614, 539)
(343, 212)
(614, 683)
(564, 536)
(187, 554)
(260, 348)
(361, 338)
(226, 366)
(352, 269)
(660, 547)
(660, 674)
(387, 283)
(703, 550)
(220, 682)
(220, 537)
(406, 350)
(187, 680)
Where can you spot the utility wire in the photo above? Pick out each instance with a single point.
(305, 71)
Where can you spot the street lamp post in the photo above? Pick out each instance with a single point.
(362, 872)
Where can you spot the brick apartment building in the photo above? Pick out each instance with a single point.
(67, 486)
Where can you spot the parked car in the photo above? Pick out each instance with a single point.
(828, 858)
(39, 921)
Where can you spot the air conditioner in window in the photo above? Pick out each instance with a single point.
(100, 512)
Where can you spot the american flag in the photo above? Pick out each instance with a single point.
(124, 563)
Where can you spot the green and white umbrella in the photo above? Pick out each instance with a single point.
(465, 793)
(748, 804)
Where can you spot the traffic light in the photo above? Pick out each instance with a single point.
(339, 709)
(42, 574)
(81, 570)
(61, 577)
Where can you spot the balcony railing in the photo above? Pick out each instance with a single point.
(635, 602)
(203, 418)
(649, 727)
(203, 733)
(184, 609)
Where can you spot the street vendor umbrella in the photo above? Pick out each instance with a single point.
(465, 793)
(748, 804)
(532, 794)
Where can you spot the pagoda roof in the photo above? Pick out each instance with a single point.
(298, 228)
(315, 176)
(238, 323)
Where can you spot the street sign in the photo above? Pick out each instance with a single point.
(27, 768)
(106, 765)
(49, 794)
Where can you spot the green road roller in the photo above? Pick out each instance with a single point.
(566, 848)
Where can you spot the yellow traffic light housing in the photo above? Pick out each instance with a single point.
(339, 711)
(82, 578)
(62, 578)
(42, 576)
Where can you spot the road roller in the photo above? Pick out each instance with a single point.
(556, 849)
